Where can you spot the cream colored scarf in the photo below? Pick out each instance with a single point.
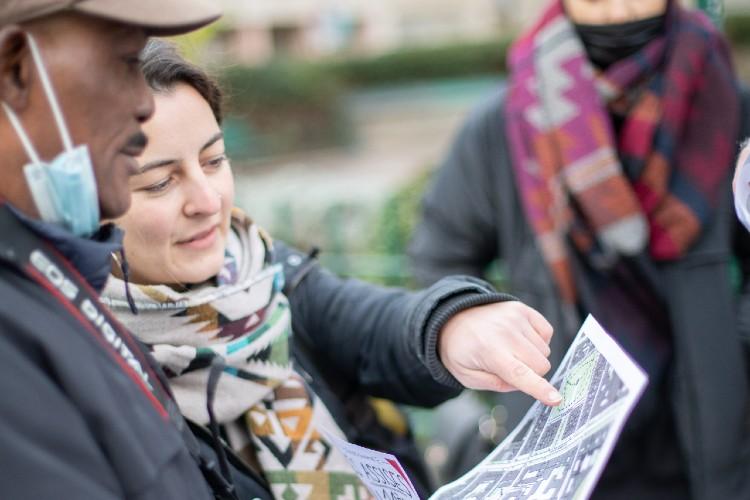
(270, 415)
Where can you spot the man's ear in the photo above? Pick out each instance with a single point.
(14, 67)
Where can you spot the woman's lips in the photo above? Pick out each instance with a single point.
(201, 240)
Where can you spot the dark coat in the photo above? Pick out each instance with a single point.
(74, 425)
(353, 340)
(483, 221)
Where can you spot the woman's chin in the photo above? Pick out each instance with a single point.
(197, 276)
(191, 269)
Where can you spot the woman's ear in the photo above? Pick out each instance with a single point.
(15, 63)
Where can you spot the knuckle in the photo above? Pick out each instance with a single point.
(520, 370)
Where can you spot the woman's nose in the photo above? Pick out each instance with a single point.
(202, 197)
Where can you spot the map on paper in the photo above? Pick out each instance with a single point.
(559, 453)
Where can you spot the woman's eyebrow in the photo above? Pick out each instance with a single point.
(155, 164)
(212, 140)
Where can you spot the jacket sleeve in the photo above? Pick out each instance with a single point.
(458, 232)
(46, 450)
(383, 339)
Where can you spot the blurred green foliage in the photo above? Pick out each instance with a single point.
(286, 106)
(424, 63)
(387, 239)
(392, 230)
(192, 44)
(398, 217)
(737, 29)
(284, 83)
(292, 105)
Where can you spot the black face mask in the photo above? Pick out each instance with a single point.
(608, 43)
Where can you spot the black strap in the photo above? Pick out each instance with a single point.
(221, 485)
(39, 261)
(292, 278)
(217, 367)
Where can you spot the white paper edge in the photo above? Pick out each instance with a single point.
(343, 444)
(631, 374)
(625, 368)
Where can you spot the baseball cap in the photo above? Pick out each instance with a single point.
(158, 17)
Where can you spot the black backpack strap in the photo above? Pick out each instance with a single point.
(297, 265)
(40, 262)
(221, 486)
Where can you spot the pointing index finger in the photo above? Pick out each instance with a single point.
(525, 380)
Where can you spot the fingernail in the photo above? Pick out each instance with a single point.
(554, 397)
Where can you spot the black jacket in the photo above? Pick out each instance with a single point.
(75, 425)
(353, 340)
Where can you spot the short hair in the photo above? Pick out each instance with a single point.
(164, 67)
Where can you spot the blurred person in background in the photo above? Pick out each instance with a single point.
(599, 177)
(217, 302)
(84, 412)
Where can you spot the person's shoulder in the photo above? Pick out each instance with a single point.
(297, 265)
(486, 120)
(19, 294)
(29, 314)
(25, 321)
(491, 106)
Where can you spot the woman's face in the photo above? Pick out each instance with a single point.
(176, 229)
(612, 11)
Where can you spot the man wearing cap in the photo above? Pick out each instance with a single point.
(84, 413)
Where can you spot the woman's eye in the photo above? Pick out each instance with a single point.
(216, 162)
(158, 187)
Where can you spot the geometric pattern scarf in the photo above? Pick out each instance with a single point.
(649, 186)
(271, 417)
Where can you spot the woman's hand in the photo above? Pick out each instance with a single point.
(499, 347)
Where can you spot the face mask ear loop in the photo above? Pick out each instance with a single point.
(50, 92)
(25, 142)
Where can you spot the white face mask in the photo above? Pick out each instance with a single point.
(64, 189)
(742, 194)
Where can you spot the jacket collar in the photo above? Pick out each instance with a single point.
(92, 256)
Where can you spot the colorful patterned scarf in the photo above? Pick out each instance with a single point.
(271, 417)
(653, 184)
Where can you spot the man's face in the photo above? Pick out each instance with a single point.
(95, 72)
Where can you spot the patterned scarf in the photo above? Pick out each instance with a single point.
(271, 417)
(653, 184)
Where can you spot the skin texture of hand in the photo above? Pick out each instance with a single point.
(499, 347)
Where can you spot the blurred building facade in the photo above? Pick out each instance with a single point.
(256, 31)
